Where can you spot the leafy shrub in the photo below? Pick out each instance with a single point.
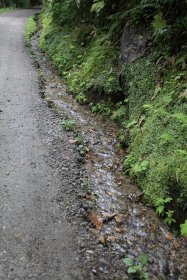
(30, 29)
(83, 41)
(139, 268)
(98, 72)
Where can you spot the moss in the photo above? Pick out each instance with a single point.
(30, 29)
(98, 72)
(161, 138)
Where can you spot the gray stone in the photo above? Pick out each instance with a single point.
(133, 43)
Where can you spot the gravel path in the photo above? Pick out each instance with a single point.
(36, 241)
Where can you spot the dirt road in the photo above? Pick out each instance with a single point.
(36, 241)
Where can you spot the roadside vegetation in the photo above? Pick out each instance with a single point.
(147, 97)
(30, 29)
(4, 10)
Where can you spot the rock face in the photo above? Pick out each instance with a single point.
(133, 44)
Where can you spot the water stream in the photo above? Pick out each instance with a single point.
(121, 216)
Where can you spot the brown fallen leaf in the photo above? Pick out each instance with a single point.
(120, 230)
(111, 238)
(176, 244)
(94, 231)
(169, 236)
(90, 153)
(91, 197)
(108, 216)
(96, 220)
(102, 239)
(119, 218)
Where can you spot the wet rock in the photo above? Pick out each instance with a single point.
(94, 271)
(90, 252)
(133, 43)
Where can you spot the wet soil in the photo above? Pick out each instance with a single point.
(118, 223)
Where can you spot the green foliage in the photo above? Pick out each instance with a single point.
(120, 114)
(83, 150)
(139, 268)
(122, 137)
(79, 139)
(183, 228)
(81, 98)
(87, 63)
(85, 184)
(139, 168)
(159, 22)
(69, 124)
(30, 29)
(82, 38)
(161, 203)
(98, 72)
(102, 108)
(4, 10)
(169, 217)
(160, 140)
(97, 6)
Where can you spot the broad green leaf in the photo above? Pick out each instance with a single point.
(143, 259)
(145, 275)
(160, 209)
(97, 6)
(132, 270)
(128, 261)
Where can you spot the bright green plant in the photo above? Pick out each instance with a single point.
(139, 268)
(161, 204)
(85, 184)
(4, 10)
(139, 167)
(131, 124)
(81, 98)
(79, 139)
(122, 137)
(83, 150)
(30, 29)
(69, 124)
(183, 228)
(119, 114)
(169, 217)
(102, 108)
(97, 6)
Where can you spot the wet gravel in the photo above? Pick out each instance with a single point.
(104, 206)
(37, 240)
